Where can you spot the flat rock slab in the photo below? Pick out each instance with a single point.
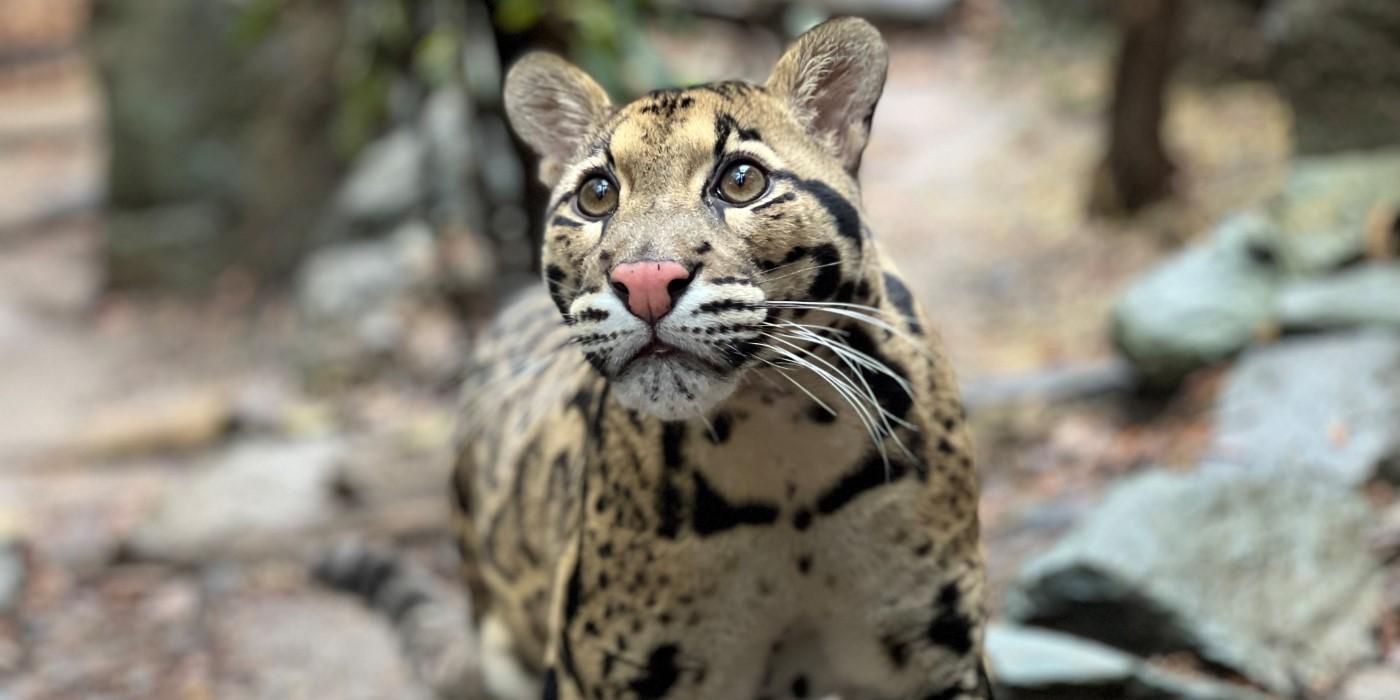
(1029, 663)
(253, 493)
(1364, 297)
(1203, 305)
(308, 646)
(1327, 405)
(1266, 574)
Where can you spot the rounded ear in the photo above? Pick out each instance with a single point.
(553, 106)
(832, 77)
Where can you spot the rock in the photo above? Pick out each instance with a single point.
(1375, 683)
(1365, 296)
(342, 283)
(250, 496)
(386, 180)
(1319, 221)
(1264, 574)
(446, 125)
(276, 646)
(1214, 299)
(1202, 306)
(1323, 406)
(1036, 664)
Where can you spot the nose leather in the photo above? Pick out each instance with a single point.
(648, 286)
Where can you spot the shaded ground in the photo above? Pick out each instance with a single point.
(976, 180)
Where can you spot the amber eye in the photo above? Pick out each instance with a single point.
(597, 197)
(742, 183)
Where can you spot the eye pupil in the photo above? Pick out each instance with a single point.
(597, 197)
(742, 183)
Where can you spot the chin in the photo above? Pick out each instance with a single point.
(670, 387)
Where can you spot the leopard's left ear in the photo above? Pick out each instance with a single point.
(832, 77)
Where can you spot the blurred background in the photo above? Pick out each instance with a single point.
(243, 244)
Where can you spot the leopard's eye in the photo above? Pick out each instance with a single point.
(597, 197)
(742, 182)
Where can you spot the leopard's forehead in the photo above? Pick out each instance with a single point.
(665, 133)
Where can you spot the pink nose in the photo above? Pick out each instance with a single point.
(649, 287)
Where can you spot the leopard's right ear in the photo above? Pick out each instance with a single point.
(553, 106)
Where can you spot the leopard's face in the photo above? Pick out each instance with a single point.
(683, 226)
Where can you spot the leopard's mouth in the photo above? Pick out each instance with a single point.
(659, 351)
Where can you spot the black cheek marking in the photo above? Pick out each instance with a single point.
(950, 629)
(566, 221)
(804, 565)
(845, 215)
(890, 394)
(554, 280)
(780, 199)
(896, 649)
(713, 514)
(819, 414)
(799, 687)
(802, 519)
(660, 674)
(672, 438)
(551, 685)
(721, 424)
(904, 301)
(871, 474)
(828, 269)
(703, 248)
(605, 256)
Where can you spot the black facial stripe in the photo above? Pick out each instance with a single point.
(828, 269)
(780, 199)
(725, 124)
(797, 253)
(590, 315)
(887, 391)
(904, 301)
(554, 280)
(841, 210)
(565, 221)
(714, 307)
(732, 280)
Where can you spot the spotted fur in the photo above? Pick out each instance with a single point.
(786, 506)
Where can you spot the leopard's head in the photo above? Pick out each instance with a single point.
(686, 225)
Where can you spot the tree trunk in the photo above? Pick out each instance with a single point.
(1137, 170)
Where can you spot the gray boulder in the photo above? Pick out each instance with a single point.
(387, 180)
(1214, 299)
(1267, 575)
(1319, 220)
(1201, 307)
(1323, 406)
(1028, 663)
(1366, 296)
(253, 496)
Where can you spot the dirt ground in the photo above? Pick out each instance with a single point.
(976, 182)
